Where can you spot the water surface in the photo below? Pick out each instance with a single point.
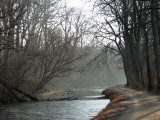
(53, 110)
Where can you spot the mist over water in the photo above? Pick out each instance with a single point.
(99, 78)
(101, 74)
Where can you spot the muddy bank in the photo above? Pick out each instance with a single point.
(116, 106)
(70, 94)
(73, 94)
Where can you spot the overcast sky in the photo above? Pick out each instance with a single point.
(80, 4)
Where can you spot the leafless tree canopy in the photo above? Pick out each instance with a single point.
(39, 40)
(133, 27)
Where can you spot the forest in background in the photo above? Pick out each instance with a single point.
(101, 70)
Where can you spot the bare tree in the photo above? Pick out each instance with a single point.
(133, 27)
(36, 45)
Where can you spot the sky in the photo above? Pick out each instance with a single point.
(80, 4)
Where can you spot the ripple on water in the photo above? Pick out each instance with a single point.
(53, 110)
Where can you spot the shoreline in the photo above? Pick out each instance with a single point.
(127, 103)
(77, 94)
(116, 106)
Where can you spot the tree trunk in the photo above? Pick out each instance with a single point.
(10, 88)
(156, 41)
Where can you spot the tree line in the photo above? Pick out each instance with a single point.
(133, 27)
(39, 40)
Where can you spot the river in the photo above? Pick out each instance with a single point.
(83, 109)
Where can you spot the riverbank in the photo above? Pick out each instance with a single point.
(130, 104)
(72, 94)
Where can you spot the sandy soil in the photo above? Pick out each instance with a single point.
(130, 104)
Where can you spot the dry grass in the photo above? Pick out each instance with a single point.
(114, 108)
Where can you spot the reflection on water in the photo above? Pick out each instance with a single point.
(53, 110)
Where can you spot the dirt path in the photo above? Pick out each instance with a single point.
(136, 105)
(141, 105)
